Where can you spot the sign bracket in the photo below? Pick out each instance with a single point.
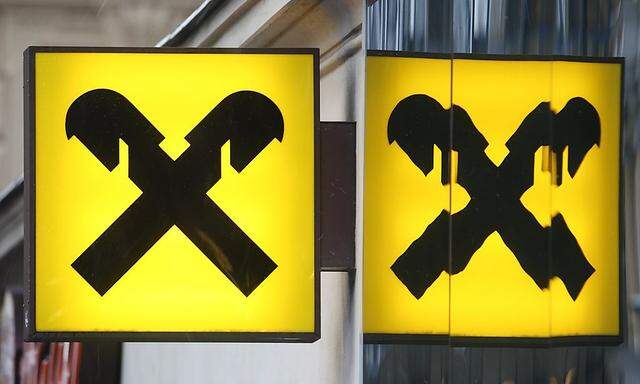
(337, 196)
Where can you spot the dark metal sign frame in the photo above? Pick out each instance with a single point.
(480, 341)
(31, 334)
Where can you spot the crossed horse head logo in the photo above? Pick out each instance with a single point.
(174, 192)
(419, 122)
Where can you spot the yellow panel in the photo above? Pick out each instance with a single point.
(589, 203)
(399, 200)
(498, 291)
(174, 287)
(493, 296)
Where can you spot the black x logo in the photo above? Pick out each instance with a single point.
(174, 192)
(419, 122)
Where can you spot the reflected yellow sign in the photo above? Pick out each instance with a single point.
(172, 194)
(492, 198)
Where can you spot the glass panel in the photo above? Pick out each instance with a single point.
(500, 240)
(406, 289)
(585, 199)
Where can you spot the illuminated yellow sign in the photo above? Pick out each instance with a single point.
(492, 203)
(172, 194)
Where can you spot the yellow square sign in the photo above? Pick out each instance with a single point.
(171, 194)
(492, 209)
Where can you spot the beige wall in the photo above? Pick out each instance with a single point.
(68, 22)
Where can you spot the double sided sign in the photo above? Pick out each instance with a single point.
(492, 209)
(172, 194)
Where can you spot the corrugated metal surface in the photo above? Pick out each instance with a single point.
(498, 26)
(568, 27)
